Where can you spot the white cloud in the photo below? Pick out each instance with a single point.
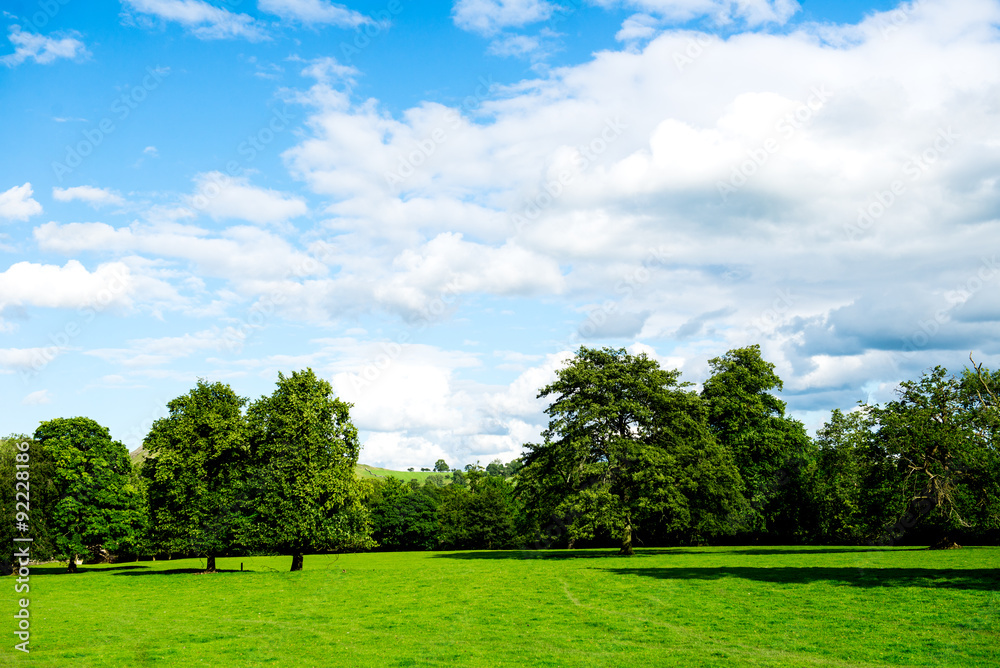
(314, 11)
(222, 197)
(752, 12)
(204, 20)
(16, 203)
(37, 398)
(96, 197)
(40, 48)
(515, 45)
(70, 286)
(242, 254)
(142, 353)
(489, 16)
(25, 360)
(636, 27)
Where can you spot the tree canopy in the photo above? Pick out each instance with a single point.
(97, 503)
(626, 444)
(303, 449)
(195, 468)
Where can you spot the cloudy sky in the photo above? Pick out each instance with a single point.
(433, 204)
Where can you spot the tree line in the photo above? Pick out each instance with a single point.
(631, 456)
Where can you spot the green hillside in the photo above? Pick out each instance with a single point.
(364, 471)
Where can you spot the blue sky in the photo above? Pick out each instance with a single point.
(434, 204)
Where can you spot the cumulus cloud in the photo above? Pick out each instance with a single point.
(752, 12)
(314, 11)
(69, 286)
(488, 16)
(17, 204)
(37, 398)
(96, 197)
(227, 197)
(41, 49)
(204, 20)
(763, 166)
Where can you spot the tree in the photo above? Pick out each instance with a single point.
(28, 487)
(97, 503)
(626, 443)
(404, 518)
(303, 449)
(943, 439)
(195, 467)
(483, 517)
(495, 468)
(771, 450)
(441, 466)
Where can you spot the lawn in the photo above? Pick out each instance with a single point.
(724, 606)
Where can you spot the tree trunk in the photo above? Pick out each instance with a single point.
(297, 562)
(210, 565)
(627, 542)
(72, 564)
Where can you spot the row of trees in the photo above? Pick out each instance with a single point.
(632, 455)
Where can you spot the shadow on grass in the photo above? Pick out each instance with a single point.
(650, 552)
(188, 571)
(60, 569)
(974, 578)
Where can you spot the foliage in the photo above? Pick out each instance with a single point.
(772, 452)
(196, 466)
(626, 444)
(943, 441)
(441, 465)
(303, 450)
(484, 517)
(97, 502)
(40, 490)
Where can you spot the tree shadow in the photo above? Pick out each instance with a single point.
(984, 579)
(60, 569)
(186, 571)
(598, 553)
(549, 554)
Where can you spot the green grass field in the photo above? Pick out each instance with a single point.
(786, 606)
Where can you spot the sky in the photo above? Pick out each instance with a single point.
(434, 204)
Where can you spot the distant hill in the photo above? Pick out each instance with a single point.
(364, 471)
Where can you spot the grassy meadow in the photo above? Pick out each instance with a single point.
(719, 606)
(363, 471)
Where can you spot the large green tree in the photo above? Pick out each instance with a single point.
(195, 471)
(97, 503)
(626, 444)
(772, 451)
(303, 449)
(942, 436)
(26, 471)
